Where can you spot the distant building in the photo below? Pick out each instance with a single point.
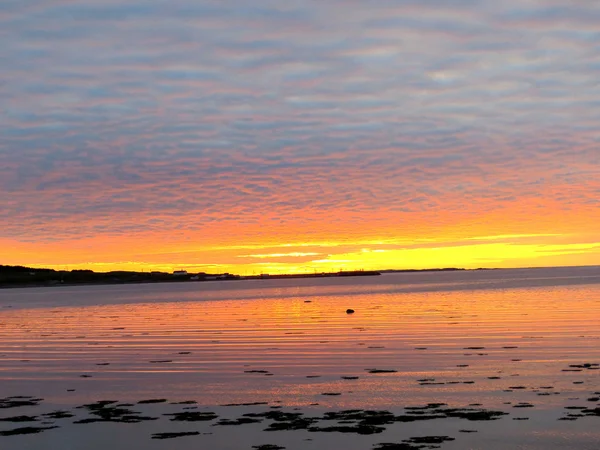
(179, 273)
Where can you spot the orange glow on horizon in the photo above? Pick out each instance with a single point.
(476, 252)
(500, 238)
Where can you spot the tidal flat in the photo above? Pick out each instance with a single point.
(472, 360)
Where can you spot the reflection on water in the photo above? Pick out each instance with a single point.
(514, 341)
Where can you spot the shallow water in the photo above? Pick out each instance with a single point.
(468, 339)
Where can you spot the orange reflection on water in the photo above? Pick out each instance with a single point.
(179, 339)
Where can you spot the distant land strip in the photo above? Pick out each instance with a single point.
(21, 276)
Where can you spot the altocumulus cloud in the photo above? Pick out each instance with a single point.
(193, 114)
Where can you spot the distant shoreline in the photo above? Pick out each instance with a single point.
(30, 277)
(25, 277)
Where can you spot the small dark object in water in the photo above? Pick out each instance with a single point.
(584, 366)
(268, 447)
(349, 311)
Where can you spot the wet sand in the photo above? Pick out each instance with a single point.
(283, 365)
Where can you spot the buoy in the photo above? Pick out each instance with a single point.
(349, 311)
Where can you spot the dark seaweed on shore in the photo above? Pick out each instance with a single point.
(195, 416)
(103, 411)
(18, 401)
(25, 430)
(174, 435)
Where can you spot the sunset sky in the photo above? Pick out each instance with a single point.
(292, 136)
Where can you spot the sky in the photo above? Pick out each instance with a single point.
(272, 136)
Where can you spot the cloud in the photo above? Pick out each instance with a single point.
(279, 255)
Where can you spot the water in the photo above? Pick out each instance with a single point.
(462, 338)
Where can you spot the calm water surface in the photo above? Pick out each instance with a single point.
(483, 339)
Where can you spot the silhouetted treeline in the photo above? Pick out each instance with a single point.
(22, 269)
(20, 276)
